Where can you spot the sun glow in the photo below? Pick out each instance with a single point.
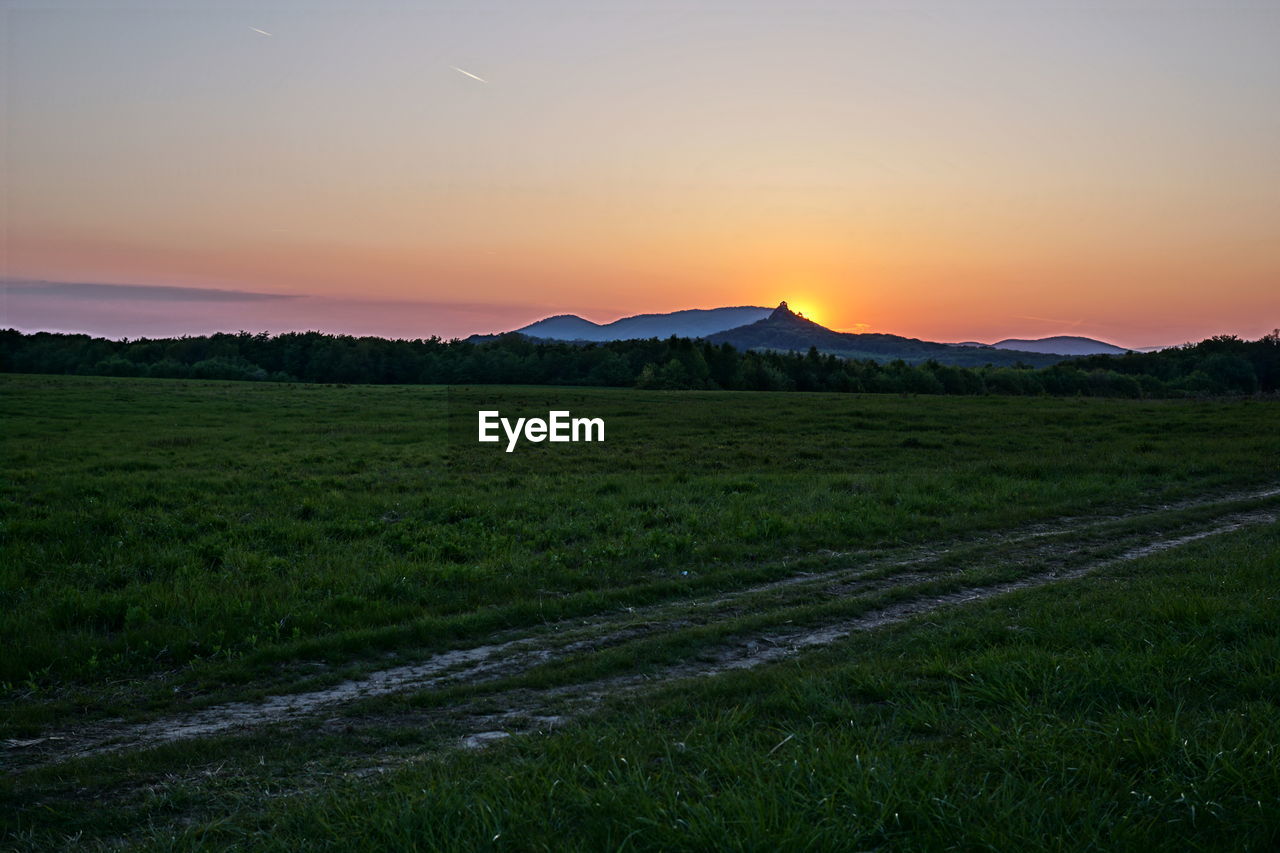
(808, 310)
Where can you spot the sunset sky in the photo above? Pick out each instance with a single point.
(946, 170)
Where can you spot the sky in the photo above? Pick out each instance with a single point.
(945, 170)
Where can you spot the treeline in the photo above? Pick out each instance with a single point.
(1218, 366)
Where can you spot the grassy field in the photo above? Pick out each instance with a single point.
(673, 624)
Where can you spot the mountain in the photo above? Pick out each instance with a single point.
(692, 323)
(787, 331)
(750, 327)
(1058, 345)
(1061, 345)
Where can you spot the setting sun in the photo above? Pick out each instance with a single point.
(556, 376)
(505, 185)
(808, 310)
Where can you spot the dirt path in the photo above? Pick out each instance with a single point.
(533, 711)
(878, 592)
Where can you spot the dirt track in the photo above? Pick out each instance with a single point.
(865, 592)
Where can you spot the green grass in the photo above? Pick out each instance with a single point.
(152, 525)
(1133, 710)
(171, 544)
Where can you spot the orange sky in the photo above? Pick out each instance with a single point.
(948, 171)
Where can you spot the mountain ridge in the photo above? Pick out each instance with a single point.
(1061, 345)
(757, 328)
(786, 331)
(686, 323)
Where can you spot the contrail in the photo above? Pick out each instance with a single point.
(260, 32)
(468, 73)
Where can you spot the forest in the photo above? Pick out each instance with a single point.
(1219, 366)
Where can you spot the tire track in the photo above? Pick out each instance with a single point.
(1085, 546)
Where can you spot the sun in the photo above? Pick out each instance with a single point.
(807, 309)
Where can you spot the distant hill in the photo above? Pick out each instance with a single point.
(752, 327)
(692, 323)
(787, 331)
(1061, 345)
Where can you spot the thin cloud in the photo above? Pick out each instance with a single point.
(1070, 324)
(160, 293)
(468, 73)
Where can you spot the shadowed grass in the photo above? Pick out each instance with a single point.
(1132, 709)
(169, 544)
(152, 524)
